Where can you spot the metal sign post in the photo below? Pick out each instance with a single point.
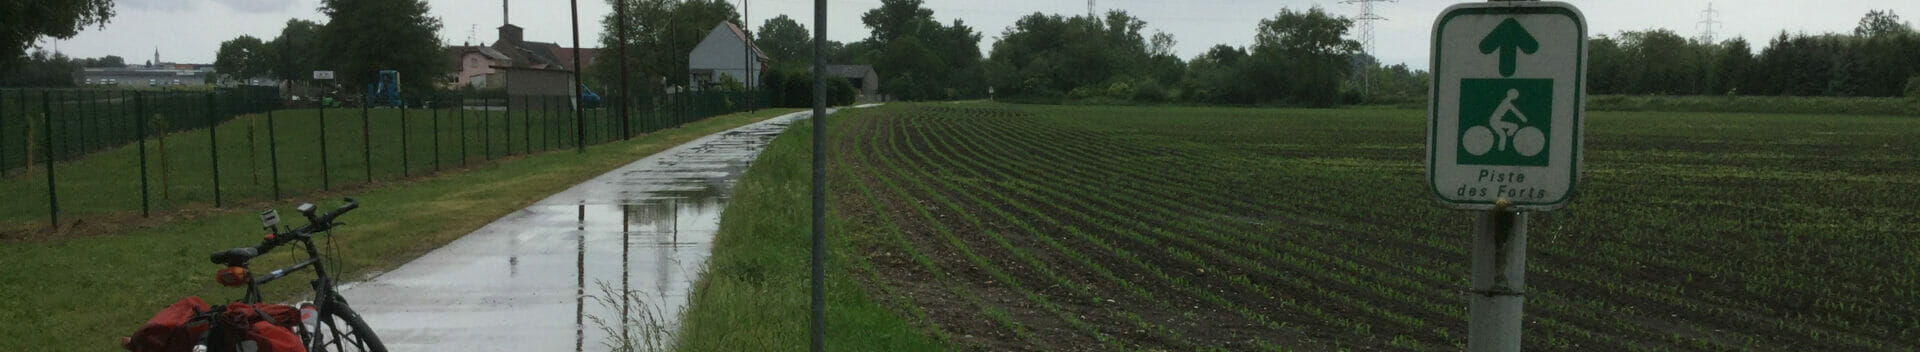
(1505, 113)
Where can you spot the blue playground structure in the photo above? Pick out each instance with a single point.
(387, 91)
(588, 99)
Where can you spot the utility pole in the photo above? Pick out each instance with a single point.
(746, 48)
(819, 323)
(1708, 23)
(579, 116)
(1366, 19)
(620, 13)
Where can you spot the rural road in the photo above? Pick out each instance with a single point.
(533, 280)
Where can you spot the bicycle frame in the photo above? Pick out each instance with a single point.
(313, 260)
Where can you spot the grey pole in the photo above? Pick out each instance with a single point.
(746, 48)
(579, 116)
(1499, 281)
(1499, 277)
(819, 175)
(626, 97)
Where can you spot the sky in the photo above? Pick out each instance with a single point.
(190, 31)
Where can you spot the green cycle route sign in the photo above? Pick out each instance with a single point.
(1506, 106)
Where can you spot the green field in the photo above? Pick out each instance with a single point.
(384, 145)
(1004, 227)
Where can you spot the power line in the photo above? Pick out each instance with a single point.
(1366, 19)
(1708, 23)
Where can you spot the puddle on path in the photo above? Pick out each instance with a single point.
(537, 279)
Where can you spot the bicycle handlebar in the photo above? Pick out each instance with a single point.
(319, 223)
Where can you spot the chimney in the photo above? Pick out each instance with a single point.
(511, 35)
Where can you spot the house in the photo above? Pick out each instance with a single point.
(862, 77)
(489, 66)
(723, 54)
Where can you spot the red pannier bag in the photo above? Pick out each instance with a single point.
(172, 330)
(267, 326)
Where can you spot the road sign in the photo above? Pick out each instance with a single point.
(322, 74)
(1506, 107)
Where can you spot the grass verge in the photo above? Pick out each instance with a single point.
(755, 294)
(82, 294)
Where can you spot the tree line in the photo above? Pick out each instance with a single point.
(1298, 57)
(1875, 60)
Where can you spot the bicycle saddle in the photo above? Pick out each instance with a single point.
(234, 256)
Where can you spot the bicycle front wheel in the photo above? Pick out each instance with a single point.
(340, 329)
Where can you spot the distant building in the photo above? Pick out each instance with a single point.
(492, 66)
(723, 54)
(157, 74)
(862, 77)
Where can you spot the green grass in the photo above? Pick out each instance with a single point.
(107, 183)
(82, 294)
(1290, 228)
(755, 295)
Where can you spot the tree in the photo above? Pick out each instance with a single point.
(104, 61)
(296, 52)
(1304, 54)
(41, 69)
(1878, 23)
(363, 37)
(955, 52)
(660, 34)
(242, 58)
(23, 22)
(1736, 67)
(1045, 55)
(786, 42)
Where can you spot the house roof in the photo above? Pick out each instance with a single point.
(565, 55)
(454, 53)
(741, 36)
(850, 71)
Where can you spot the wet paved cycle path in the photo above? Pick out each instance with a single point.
(535, 279)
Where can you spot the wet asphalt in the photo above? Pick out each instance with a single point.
(548, 277)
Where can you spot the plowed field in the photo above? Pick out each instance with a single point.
(1005, 227)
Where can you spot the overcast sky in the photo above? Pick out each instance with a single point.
(190, 31)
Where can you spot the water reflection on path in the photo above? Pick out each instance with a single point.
(532, 280)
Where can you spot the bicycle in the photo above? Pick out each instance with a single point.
(327, 321)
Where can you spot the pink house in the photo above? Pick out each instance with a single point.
(481, 66)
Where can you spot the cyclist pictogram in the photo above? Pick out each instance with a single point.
(1505, 121)
(1527, 141)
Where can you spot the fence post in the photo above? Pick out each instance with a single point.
(4, 166)
(526, 126)
(486, 130)
(546, 117)
(253, 150)
(273, 152)
(506, 123)
(434, 110)
(366, 139)
(166, 164)
(325, 179)
(213, 144)
(463, 131)
(53, 197)
(406, 166)
(140, 127)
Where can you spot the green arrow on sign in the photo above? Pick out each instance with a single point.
(1509, 39)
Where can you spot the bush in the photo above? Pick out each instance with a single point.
(794, 89)
(1913, 87)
